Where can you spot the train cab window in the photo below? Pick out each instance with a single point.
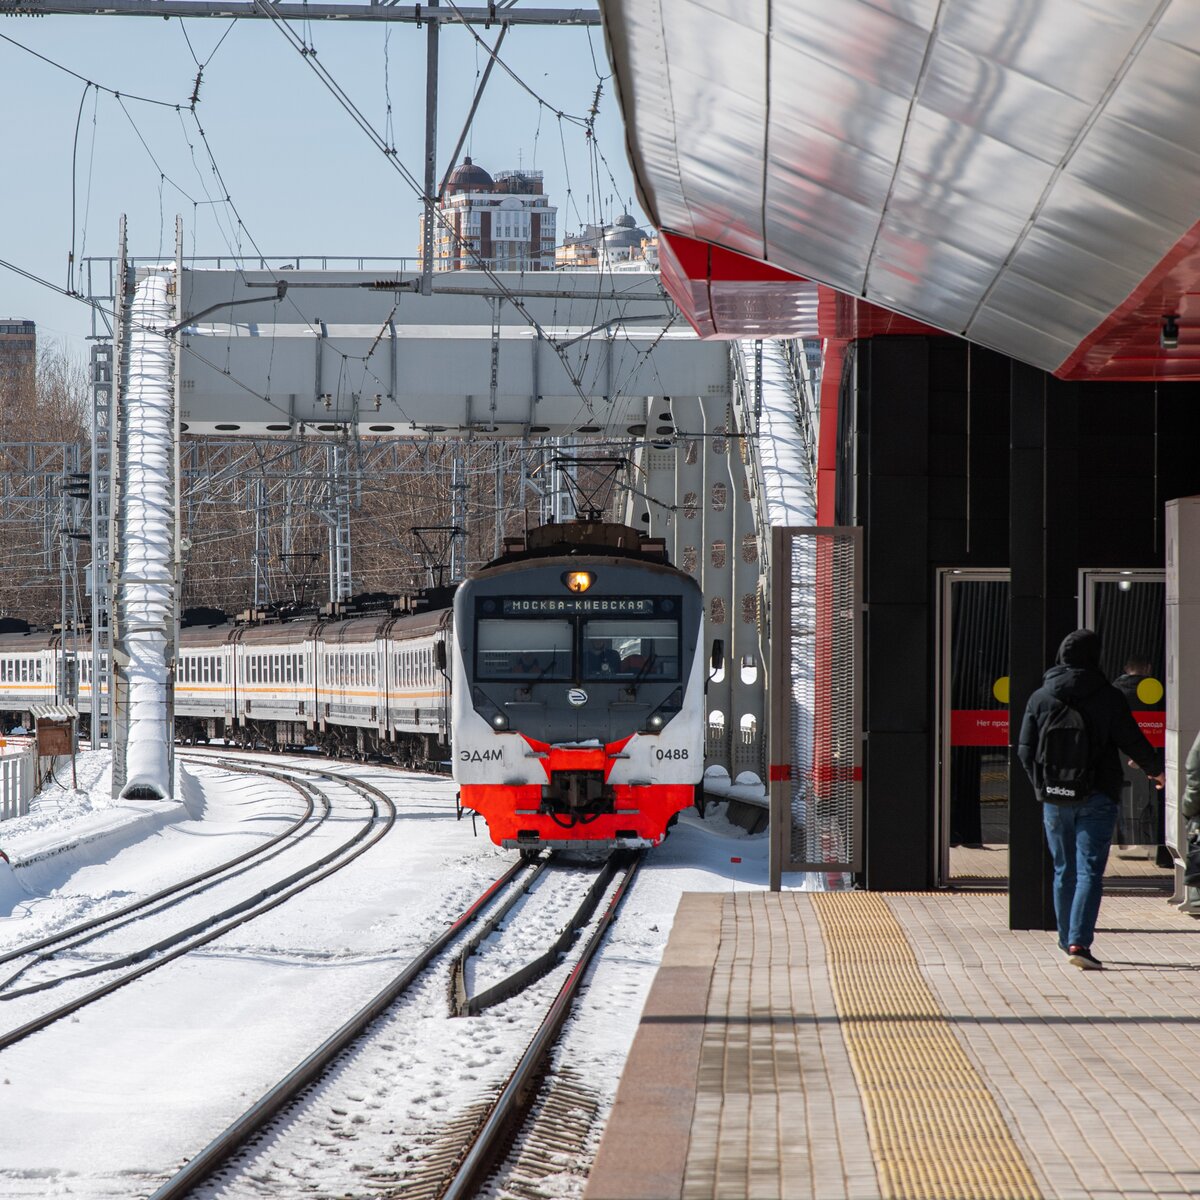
(523, 650)
(630, 649)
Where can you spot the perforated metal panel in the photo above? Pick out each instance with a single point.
(815, 687)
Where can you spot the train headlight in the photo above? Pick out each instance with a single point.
(664, 712)
(578, 581)
(500, 721)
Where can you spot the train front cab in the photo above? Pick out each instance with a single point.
(578, 717)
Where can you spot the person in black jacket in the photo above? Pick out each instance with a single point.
(1137, 668)
(1080, 832)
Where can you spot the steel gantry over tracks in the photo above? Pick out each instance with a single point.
(546, 353)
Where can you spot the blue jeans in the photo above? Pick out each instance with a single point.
(1079, 836)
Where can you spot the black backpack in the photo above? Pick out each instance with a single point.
(1063, 768)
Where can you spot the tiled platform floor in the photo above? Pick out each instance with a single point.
(753, 1074)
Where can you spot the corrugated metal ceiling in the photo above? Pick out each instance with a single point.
(1022, 172)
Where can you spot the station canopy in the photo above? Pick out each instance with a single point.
(1026, 175)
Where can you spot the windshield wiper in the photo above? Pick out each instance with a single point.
(650, 661)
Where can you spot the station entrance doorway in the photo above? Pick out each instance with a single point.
(1127, 609)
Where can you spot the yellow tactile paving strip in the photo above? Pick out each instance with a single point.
(935, 1128)
(746, 1080)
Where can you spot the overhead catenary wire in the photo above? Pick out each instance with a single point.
(432, 211)
(238, 231)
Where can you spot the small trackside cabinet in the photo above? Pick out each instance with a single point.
(1183, 653)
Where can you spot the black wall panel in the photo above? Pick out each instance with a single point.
(950, 473)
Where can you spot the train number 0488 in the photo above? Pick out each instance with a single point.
(662, 754)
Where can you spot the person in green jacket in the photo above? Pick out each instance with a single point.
(1190, 807)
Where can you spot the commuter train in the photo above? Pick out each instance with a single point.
(565, 682)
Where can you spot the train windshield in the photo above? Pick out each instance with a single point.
(630, 649)
(523, 650)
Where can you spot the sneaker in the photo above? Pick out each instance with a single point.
(1084, 959)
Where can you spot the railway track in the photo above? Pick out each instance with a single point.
(473, 1143)
(39, 958)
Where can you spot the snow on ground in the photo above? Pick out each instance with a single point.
(136, 1083)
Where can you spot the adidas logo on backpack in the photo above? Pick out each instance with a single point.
(1063, 770)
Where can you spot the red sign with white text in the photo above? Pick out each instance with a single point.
(989, 727)
(979, 727)
(1154, 726)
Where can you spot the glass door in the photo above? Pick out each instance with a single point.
(972, 707)
(1128, 610)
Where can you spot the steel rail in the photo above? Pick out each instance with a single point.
(458, 969)
(181, 935)
(130, 909)
(357, 846)
(535, 969)
(311, 1068)
(522, 1084)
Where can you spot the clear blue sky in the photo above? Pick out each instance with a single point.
(303, 177)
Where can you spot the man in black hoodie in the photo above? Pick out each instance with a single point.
(1080, 832)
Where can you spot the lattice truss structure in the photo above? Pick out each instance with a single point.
(43, 499)
(284, 521)
(303, 520)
